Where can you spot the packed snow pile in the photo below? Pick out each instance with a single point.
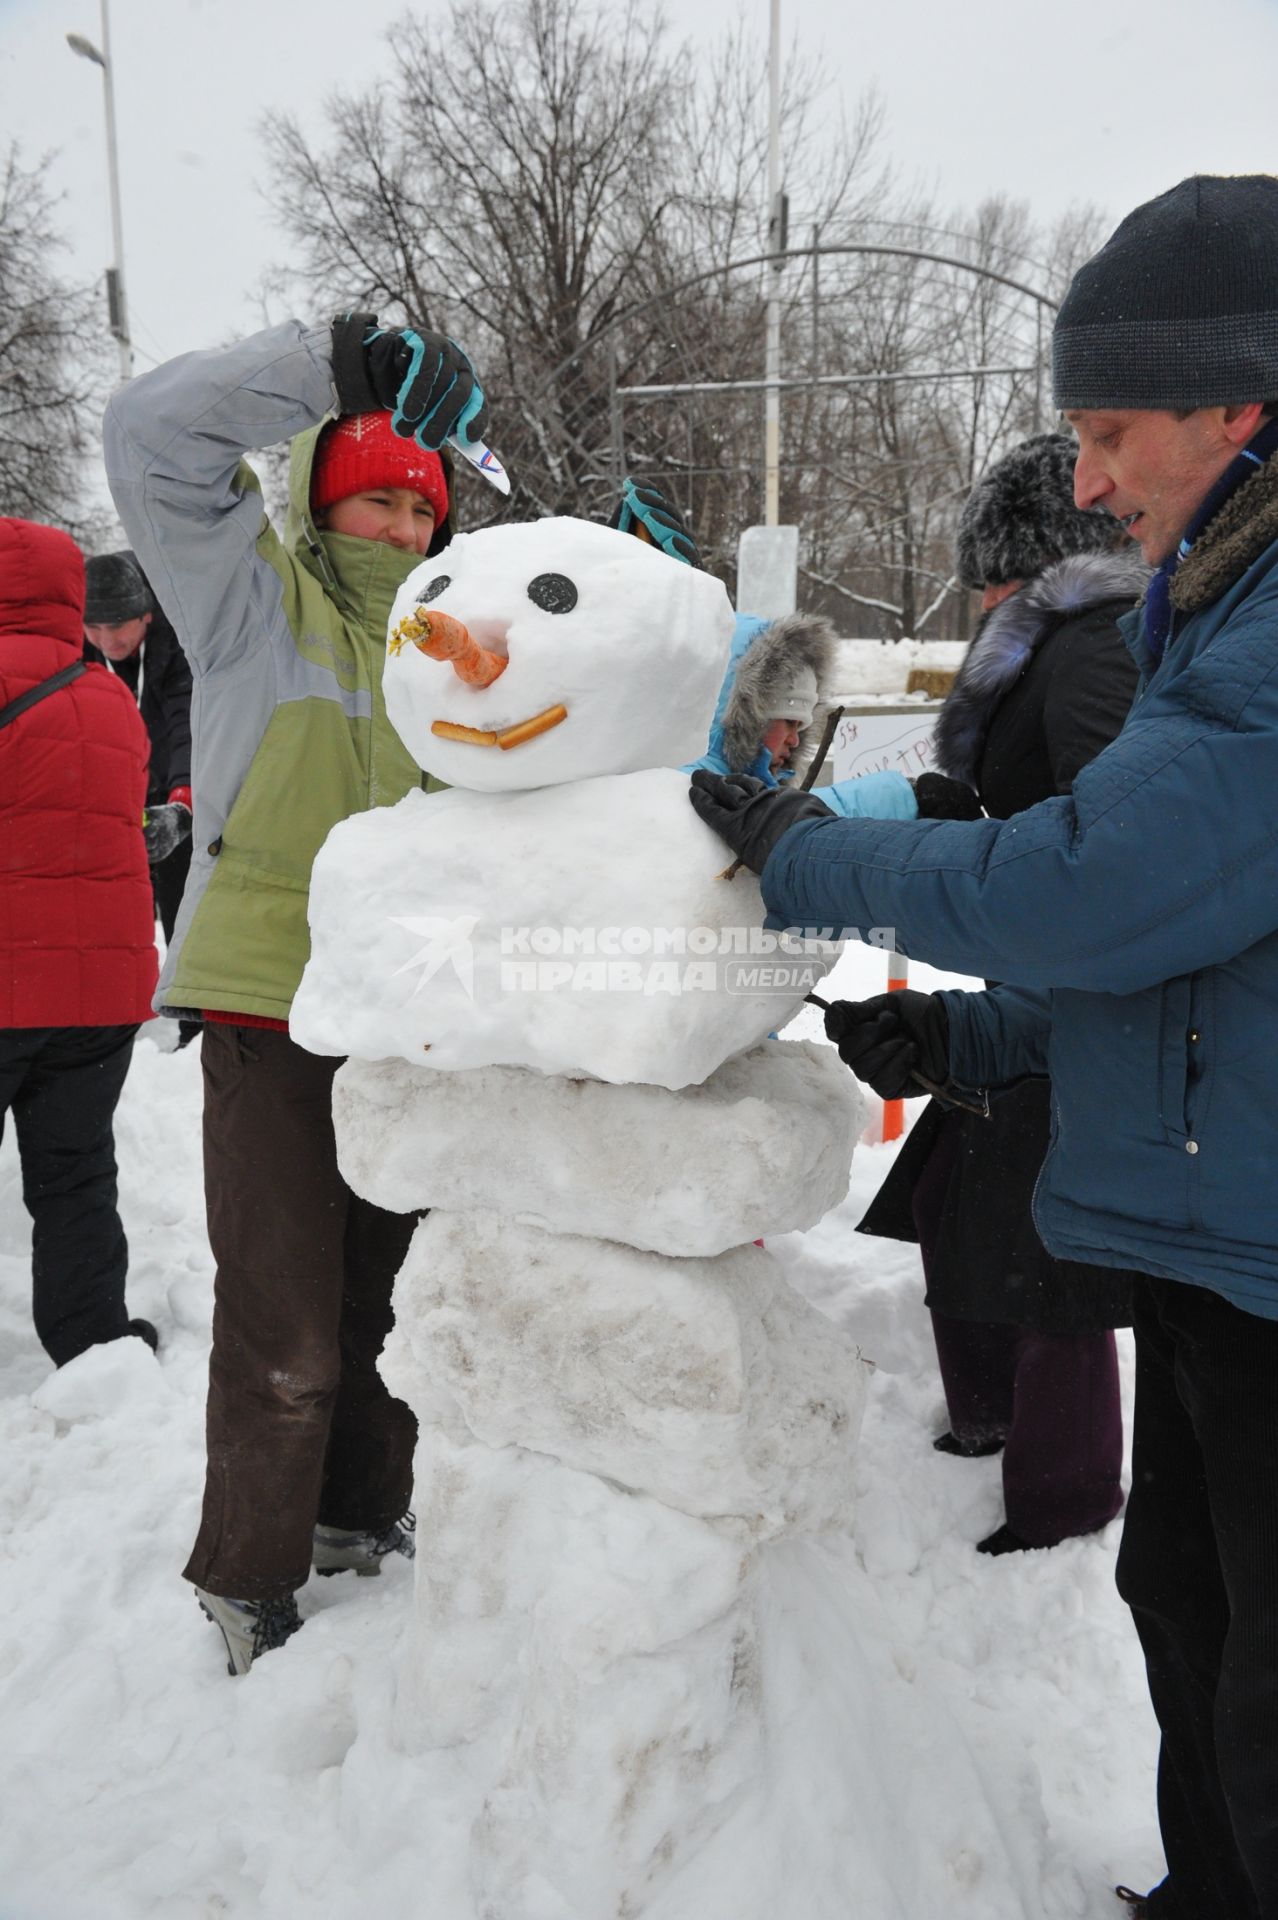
(947, 1734)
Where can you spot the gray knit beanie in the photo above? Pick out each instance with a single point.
(1020, 515)
(115, 590)
(1179, 309)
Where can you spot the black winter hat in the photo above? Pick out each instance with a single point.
(115, 590)
(1179, 309)
(1020, 515)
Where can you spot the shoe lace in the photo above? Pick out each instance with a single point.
(399, 1537)
(275, 1621)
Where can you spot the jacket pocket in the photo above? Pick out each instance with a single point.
(1180, 1055)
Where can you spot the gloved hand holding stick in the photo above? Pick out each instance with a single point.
(888, 1040)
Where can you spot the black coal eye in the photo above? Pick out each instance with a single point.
(433, 589)
(553, 593)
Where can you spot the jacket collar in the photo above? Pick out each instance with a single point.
(1008, 638)
(365, 576)
(1235, 533)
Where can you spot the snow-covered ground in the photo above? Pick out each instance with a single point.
(139, 1782)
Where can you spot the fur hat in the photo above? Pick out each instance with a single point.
(787, 656)
(115, 590)
(362, 451)
(1020, 516)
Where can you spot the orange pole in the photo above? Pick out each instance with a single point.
(894, 1110)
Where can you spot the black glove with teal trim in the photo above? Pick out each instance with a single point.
(749, 814)
(423, 380)
(645, 512)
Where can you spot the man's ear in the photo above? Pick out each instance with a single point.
(1242, 424)
(146, 617)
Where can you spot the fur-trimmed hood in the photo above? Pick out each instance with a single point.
(764, 654)
(1230, 542)
(1008, 637)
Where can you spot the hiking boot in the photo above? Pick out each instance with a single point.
(338, 1550)
(249, 1627)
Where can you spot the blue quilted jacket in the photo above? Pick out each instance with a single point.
(1140, 916)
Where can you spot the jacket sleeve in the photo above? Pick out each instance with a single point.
(1163, 860)
(173, 441)
(1089, 695)
(871, 796)
(998, 1036)
(175, 715)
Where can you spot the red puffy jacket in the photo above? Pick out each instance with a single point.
(77, 923)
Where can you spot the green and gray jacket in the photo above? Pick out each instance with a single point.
(285, 638)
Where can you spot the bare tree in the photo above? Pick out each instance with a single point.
(541, 178)
(569, 193)
(52, 364)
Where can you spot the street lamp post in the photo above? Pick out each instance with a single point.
(117, 309)
(777, 242)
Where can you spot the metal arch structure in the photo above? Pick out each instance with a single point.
(636, 307)
(1042, 302)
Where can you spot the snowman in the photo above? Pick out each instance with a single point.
(557, 1014)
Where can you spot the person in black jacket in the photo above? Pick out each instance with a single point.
(128, 633)
(1025, 1342)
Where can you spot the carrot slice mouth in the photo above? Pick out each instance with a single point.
(508, 737)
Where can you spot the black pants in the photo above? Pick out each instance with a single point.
(300, 1427)
(1199, 1568)
(168, 880)
(62, 1085)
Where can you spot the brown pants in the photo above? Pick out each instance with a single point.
(300, 1425)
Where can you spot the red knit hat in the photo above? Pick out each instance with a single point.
(362, 451)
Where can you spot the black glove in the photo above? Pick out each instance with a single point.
(164, 828)
(750, 815)
(889, 1038)
(646, 512)
(940, 798)
(424, 380)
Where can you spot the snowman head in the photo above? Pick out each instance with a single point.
(556, 650)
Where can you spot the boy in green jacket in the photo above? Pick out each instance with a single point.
(309, 1457)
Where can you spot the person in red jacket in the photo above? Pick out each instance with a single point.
(77, 938)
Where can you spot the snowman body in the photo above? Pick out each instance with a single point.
(582, 929)
(556, 1010)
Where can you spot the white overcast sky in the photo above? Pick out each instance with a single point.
(1056, 104)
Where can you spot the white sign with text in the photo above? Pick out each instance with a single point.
(879, 739)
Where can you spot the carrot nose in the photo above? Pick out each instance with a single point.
(445, 638)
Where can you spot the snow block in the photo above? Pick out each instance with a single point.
(762, 1147)
(709, 1384)
(606, 1647)
(432, 939)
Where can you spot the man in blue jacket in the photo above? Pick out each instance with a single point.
(1139, 917)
